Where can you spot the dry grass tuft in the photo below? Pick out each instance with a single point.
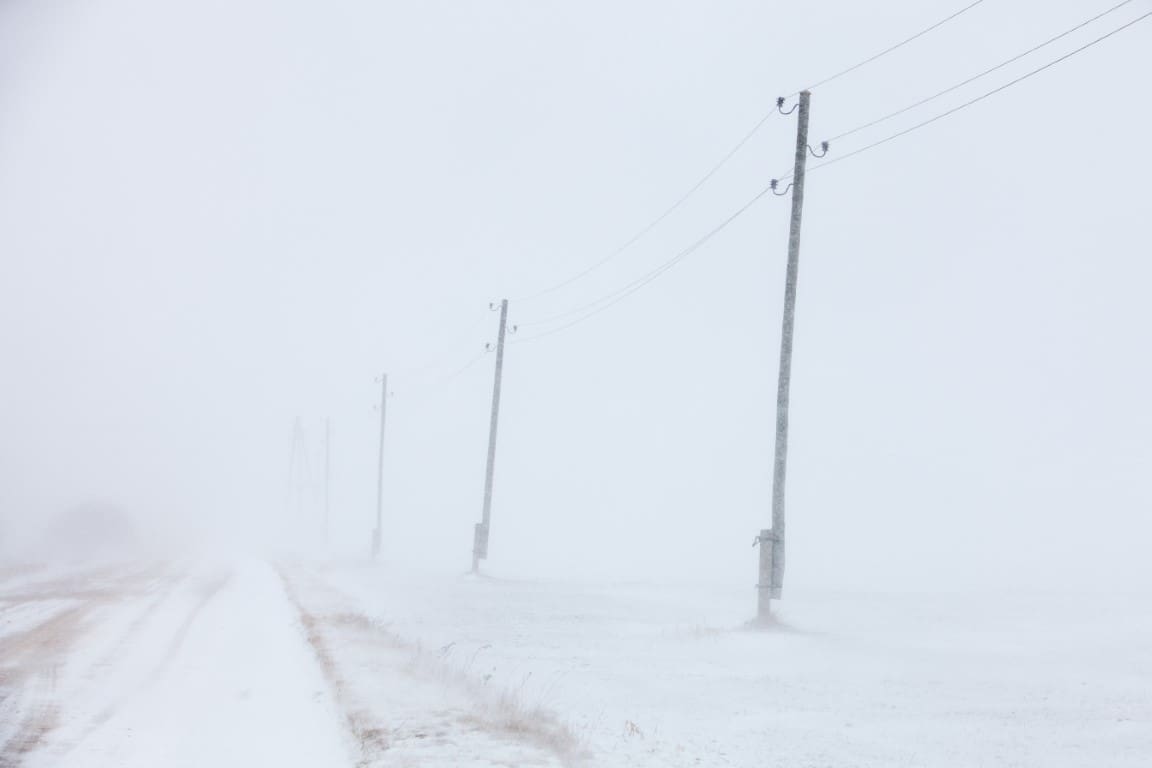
(503, 712)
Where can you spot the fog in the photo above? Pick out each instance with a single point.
(217, 218)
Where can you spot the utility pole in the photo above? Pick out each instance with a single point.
(480, 533)
(378, 532)
(327, 477)
(771, 540)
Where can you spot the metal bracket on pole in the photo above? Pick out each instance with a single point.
(480, 542)
(766, 588)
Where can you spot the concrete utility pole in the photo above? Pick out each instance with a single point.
(480, 534)
(771, 540)
(378, 532)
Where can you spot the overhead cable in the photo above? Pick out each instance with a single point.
(892, 48)
(611, 299)
(974, 78)
(656, 221)
(978, 99)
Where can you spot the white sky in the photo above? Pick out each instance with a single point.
(218, 216)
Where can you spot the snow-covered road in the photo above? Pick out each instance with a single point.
(254, 664)
(218, 675)
(233, 665)
(162, 666)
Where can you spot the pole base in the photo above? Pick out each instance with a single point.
(766, 590)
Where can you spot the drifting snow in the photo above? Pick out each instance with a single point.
(249, 664)
(671, 677)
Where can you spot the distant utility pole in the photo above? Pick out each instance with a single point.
(378, 532)
(771, 540)
(480, 534)
(327, 476)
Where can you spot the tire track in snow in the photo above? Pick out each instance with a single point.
(207, 591)
(221, 677)
(30, 658)
(31, 661)
(94, 583)
(16, 571)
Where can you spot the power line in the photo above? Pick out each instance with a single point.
(656, 221)
(892, 48)
(453, 375)
(611, 299)
(981, 97)
(417, 372)
(643, 231)
(974, 78)
(595, 307)
(648, 276)
(463, 369)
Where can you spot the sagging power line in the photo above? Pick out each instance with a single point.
(981, 97)
(976, 77)
(656, 221)
(604, 302)
(587, 310)
(435, 385)
(891, 48)
(899, 134)
(663, 215)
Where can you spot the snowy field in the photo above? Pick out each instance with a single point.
(290, 664)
